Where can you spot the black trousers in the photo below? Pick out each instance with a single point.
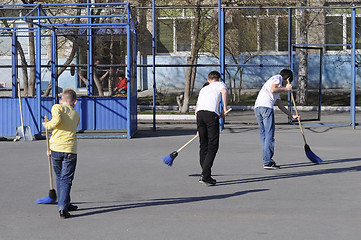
(208, 129)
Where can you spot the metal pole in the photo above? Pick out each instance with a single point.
(221, 54)
(153, 67)
(353, 67)
(221, 39)
(38, 74)
(54, 72)
(320, 86)
(129, 76)
(290, 55)
(90, 53)
(14, 58)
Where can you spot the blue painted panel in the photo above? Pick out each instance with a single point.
(96, 113)
(111, 114)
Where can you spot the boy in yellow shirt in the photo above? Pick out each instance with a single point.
(63, 146)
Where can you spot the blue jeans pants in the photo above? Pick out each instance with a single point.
(266, 123)
(64, 167)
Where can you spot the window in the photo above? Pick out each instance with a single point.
(174, 31)
(334, 32)
(338, 28)
(183, 34)
(265, 31)
(23, 39)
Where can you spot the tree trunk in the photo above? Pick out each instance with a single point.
(240, 85)
(112, 70)
(62, 69)
(24, 64)
(303, 64)
(187, 87)
(32, 80)
(98, 85)
(193, 59)
(24, 67)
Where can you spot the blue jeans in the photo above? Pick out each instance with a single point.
(64, 167)
(266, 123)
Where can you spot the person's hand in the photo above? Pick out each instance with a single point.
(288, 87)
(225, 113)
(296, 117)
(48, 153)
(44, 124)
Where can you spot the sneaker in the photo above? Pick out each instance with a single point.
(271, 166)
(72, 207)
(208, 182)
(64, 214)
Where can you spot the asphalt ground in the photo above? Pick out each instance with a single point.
(125, 191)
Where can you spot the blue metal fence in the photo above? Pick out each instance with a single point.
(118, 114)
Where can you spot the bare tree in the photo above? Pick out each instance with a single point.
(303, 54)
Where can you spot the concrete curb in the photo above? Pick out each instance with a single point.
(191, 117)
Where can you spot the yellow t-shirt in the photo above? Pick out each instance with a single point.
(65, 120)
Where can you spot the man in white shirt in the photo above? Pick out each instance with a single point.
(268, 96)
(207, 114)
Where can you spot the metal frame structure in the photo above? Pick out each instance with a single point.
(222, 64)
(129, 27)
(39, 17)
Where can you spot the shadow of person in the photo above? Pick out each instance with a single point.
(161, 202)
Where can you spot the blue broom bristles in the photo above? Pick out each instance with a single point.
(169, 158)
(313, 157)
(45, 200)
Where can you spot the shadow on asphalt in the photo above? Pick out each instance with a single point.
(298, 174)
(158, 202)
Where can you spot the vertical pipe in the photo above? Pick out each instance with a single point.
(320, 85)
(353, 67)
(221, 39)
(38, 74)
(14, 59)
(153, 63)
(290, 55)
(221, 52)
(54, 72)
(135, 67)
(290, 50)
(129, 74)
(90, 71)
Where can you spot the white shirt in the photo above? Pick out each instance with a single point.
(265, 98)
(209, 97)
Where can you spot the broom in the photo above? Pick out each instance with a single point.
(51, 198)
(310, 155)
(170, 157)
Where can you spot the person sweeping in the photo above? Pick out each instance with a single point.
(63, 146)
(268, 96)
(207, 115)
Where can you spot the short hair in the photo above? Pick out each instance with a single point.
(69, 95)
(214, 75)
(120, 73)
(286, 73)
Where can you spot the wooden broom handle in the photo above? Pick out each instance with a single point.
(299, 122)
(49, 157)
(181, 148)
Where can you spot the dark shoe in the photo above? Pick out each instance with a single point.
(209, 181)
(64, 214)
(72, 207)
(271, 166)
